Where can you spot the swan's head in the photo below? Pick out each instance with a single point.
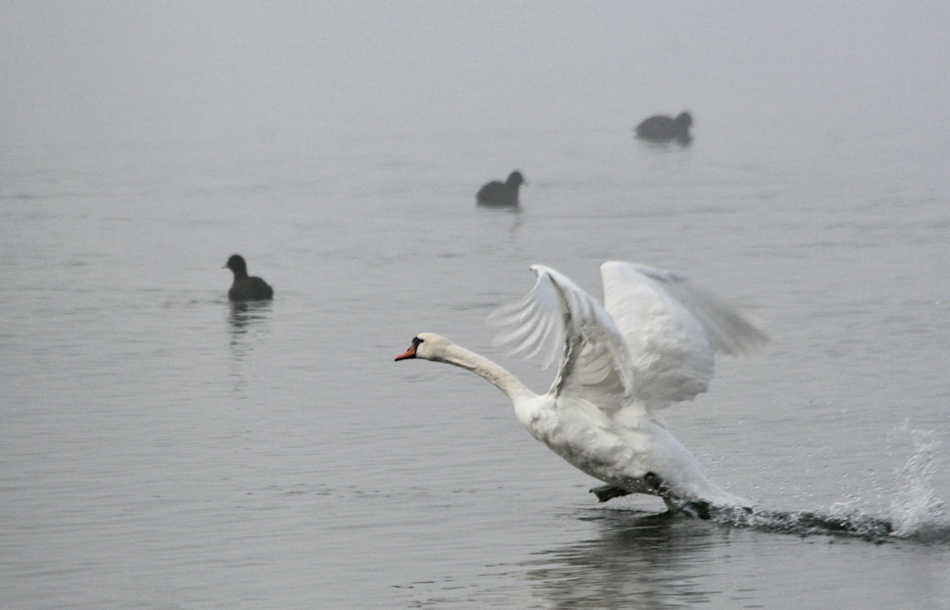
(428, 346)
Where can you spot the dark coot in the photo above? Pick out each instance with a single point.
(664, 129)
(246, 288)
(497, 193)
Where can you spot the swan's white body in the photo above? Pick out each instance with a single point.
(650, 345)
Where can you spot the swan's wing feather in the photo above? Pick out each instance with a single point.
(673, 330)
(561, 317)
(729, 330)
(532, 324)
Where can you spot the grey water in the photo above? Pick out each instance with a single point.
(162, 448)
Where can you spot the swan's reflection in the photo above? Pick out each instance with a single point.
(639, 560)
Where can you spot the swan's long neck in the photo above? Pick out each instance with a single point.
(483, 367)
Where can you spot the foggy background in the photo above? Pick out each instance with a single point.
(281, 71)
(164, 450)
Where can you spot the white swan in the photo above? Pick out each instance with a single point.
(649, 346)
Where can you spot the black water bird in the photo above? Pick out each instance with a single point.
(499, 194)
(662, 128)
(246, 288)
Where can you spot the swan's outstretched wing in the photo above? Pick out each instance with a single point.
(557, 316)
(672, 330)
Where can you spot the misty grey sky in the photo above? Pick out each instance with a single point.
(174, 69)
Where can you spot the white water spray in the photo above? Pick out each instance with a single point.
(916, 511)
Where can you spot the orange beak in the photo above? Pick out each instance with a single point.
(409, 353)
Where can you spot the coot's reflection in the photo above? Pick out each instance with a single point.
(246, 313)
(244, 321)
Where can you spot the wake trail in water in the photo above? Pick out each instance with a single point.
(806, 523)
(916, 511)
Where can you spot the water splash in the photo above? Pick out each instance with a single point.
(917, 511)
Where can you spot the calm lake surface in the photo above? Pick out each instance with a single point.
(163, 449)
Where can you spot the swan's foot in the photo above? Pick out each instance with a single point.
(698, 509)
(609, 492)
(650, 484)
(656, 483)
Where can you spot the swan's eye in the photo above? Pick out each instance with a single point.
(416, 341)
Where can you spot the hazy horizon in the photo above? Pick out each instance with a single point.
(157, 71)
